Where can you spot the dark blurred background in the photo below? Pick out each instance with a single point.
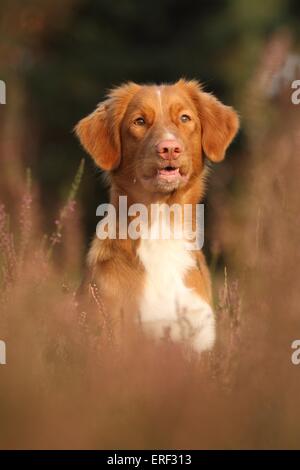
(59, 57)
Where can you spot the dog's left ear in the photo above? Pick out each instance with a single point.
(219, 123)
(99, 133)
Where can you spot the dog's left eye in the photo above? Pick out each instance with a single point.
(140, 121)
(184, 118)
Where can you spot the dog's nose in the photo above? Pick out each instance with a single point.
(169, 149)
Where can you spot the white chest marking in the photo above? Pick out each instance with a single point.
(166, 303)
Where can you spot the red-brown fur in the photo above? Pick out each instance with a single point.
(127, 152)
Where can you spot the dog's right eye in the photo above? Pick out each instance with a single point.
(139, 121)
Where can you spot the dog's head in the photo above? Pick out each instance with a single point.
(154, 135)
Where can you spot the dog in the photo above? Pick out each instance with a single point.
(152, 141)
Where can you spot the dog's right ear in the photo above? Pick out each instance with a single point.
(94, 135)
(99, 133)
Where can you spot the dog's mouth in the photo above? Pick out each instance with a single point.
(166, 175)
(168, 172)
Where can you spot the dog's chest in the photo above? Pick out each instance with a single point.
(164, 294)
